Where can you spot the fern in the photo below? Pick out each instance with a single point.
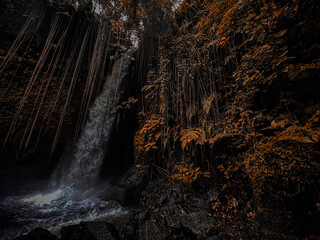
(146, 138)
(193, 134)
(188, 173)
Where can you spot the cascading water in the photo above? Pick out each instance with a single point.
(71, 198)
(81, 172)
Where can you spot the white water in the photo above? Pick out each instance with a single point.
(81, 170)
(71, 197)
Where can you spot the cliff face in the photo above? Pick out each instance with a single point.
(235, 93)
(227, 96)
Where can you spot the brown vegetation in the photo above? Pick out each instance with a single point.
(229, 91)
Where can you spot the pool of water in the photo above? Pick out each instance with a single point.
(52, 210)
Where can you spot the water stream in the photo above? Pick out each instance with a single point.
(71, 196)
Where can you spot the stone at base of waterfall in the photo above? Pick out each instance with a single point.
(199, 223)
(38, 234)
(151, 230)
(95, 230)
(134, 182)
(127, 232)
(128, 188)
(103, 230)
(77, 232)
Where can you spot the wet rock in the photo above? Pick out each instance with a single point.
(102, 230)
(172, 214)
(142, 216)
(225, 235)
(127, 232)
(38, 234)
(194, 204)
(77, 232)
(199, 223)
(181, 233)
(127, 189)
(162, 199)
(173, 197)
(213, 195)
(151, 230)
(133, 183)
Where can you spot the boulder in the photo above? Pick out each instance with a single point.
(199, 223)
(102, 230)
(133, 183)
(151, 230)
(77, 232)
(38, 234)
(142, 216)
(127, 232)
(127, 189)
(171, 215)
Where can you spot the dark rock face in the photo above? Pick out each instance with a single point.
(127, 232)
(186, 218)
(151, 230)
(142, 216)
(173, 222)
(133, 183)
(127, 189)
(95, 230)
(77, 232)
(38, 234)
(102, 230)
(199, 223)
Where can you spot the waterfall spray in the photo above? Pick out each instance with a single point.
(82, 169)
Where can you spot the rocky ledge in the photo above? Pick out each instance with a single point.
(164, 209)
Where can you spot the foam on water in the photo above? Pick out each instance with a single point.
(42, 199)
(52, 211)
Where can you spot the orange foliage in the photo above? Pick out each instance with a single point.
(284, 159)
(188, 173)
(146, 138)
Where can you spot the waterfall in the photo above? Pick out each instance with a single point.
(72, 197)
(81, 169)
